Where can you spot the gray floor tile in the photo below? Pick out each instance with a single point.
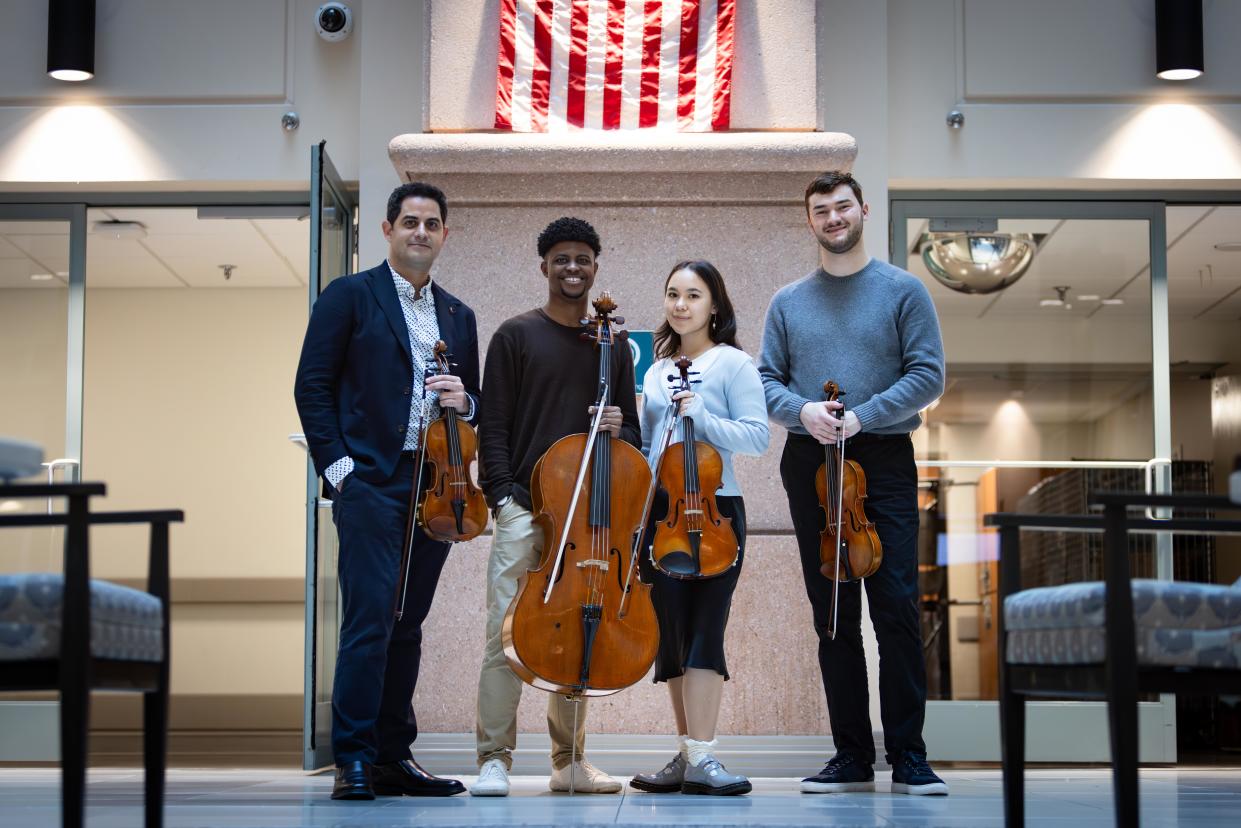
(1076, 798)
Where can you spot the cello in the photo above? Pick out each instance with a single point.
(564, 631)
(694, 540)
(849, 547)
(452, 508)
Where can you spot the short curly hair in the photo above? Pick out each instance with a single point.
(568, 229)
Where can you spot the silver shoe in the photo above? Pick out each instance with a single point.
(667, 780)
(713, 779)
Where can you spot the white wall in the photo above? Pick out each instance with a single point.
(1056, 93)
(186, 95)
(188, 405)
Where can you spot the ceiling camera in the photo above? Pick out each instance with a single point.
(333, 21)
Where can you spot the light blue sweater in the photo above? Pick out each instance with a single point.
(727, 409)
(874, 332)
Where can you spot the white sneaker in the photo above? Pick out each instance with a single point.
(586, 779)
(492, 779)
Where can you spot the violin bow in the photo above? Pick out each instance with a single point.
(577, 490)
(408, 553)
(646, 508)
(839, 450)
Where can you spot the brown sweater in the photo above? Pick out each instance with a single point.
(539, 381)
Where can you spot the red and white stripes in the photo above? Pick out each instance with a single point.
(614, 64)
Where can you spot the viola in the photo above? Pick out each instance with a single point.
(564, 631)
(452, 508)
(694, 540)
(849, 547)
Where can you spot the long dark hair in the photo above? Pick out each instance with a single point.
(723, 324)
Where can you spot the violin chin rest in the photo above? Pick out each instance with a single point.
(678, 563)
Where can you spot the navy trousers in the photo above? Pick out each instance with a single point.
(377, 661)
(892, 593)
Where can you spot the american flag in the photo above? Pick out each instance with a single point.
(614, 64)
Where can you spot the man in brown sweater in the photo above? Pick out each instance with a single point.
(540, 383)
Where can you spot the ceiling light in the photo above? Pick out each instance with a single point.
(1088, 297)
(71, 39)
(1178, 39)
(1229, 247)
(1113, 302)
(978, 262)
(120, 229)
(40, 277)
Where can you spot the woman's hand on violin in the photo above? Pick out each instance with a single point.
(451, 391)
(610, 420)
(824, 424)
(687, 399)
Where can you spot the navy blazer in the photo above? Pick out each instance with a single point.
(355, 379)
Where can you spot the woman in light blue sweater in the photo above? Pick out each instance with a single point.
(729, 412)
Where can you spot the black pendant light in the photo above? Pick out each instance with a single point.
(71, 39)
(1178, 39)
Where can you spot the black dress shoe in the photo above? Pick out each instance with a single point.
(407, 778)
(353, 781)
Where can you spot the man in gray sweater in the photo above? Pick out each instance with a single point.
(872, 328)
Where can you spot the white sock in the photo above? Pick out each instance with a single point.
(697, 752)
(681, 744)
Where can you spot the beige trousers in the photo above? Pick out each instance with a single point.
(515, 548)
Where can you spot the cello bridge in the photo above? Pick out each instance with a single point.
(602, 564)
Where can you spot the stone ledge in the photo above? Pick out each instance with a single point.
(423, 154)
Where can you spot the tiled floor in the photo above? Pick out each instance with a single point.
(1072, 798)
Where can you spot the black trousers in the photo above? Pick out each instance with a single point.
(892, 592)
(377, 661)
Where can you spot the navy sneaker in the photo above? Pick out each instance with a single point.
(912, 775)
(844, 773)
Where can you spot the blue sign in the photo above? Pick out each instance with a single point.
(642, 347)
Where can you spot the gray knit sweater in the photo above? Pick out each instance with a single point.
(874, 332)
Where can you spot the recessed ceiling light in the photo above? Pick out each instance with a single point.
(1229, 247)
(40, 277)
(1113, 302)
(1050, 303)
(62, 273)
(120, 229)
(1088, 297)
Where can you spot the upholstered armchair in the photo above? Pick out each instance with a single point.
(1111, 639)
(68, 633)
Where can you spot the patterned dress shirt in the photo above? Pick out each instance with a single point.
(424, 331)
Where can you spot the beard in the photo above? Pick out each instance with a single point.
(846, 244)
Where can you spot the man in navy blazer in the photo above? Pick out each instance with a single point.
(363, 402)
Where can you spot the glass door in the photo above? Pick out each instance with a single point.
(42, 314)
(1055, 325)
(331, 256)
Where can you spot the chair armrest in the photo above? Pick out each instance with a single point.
(52, 490)
(96, 518)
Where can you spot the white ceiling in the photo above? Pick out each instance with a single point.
(179, 250)
(1110, 259)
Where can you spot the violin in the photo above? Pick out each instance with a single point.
(849, 547)
(452, 508)
(694, 540)
(564, 631)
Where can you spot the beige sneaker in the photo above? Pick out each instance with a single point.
(586, 779)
